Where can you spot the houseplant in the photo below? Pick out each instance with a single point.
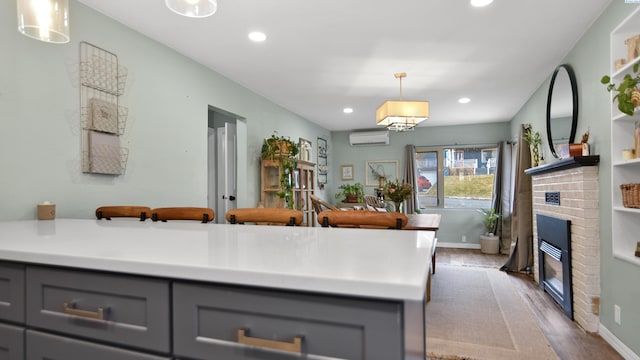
(277, 146)
(628, 95)
(490, 243)
(284, 150)
(534, 140)
(351, 193)
(397, 192)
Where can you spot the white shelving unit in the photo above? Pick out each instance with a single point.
(625, 222)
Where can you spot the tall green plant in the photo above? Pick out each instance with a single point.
(284, 150)
(490, 220)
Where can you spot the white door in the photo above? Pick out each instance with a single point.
(226, 170)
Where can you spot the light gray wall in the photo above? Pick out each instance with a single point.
(590, 59)
(168, 97)
(455, 222)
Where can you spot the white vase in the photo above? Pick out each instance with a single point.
(489, 244)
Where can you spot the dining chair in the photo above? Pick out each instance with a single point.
(363, 219)
(182, 213)
(374, 203)
(318, 204)
(108, 212)
(264, 216)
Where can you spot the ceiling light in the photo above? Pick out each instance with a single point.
(402, 115)
(45, 20)
(347, 110)
(193, 8)
(257, 36)
(464, 100)
(480, 3)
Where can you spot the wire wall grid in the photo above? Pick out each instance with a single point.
(102, 118)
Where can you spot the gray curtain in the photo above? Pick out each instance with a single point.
(521, 252)
(410, 178)
(501, 200)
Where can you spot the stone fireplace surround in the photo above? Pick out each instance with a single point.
(576, 179)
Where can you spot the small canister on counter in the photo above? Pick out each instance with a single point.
(46, 211)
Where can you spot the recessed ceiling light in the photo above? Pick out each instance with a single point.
(347, 110)
(257, 36)
(464, 100)
(480, 3)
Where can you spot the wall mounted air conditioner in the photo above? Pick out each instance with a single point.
(369, 138)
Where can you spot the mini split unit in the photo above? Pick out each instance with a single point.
(369, 138)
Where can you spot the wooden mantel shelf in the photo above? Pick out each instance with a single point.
(564, 164)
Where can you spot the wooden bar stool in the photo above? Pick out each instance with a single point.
(267, 216)
(108, 212)
(364, 219)
(182, 213)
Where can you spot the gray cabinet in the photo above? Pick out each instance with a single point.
(11, 342)
(11, 292)
(209, 320)
(119, 309)
(42, 346)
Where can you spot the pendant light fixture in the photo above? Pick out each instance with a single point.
(193, 8)
(45, 20)
(402, 115)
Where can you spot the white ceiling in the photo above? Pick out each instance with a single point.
(323, 55)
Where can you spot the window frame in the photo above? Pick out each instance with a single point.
(440, 149)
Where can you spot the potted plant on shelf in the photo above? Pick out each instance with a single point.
(284, 150)
(351, 193)
(490, 243)
(628, 95)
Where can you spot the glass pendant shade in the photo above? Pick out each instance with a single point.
(193, 8)
(45, 20)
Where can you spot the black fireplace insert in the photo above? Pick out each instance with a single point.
(554, 260)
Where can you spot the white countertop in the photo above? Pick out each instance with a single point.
(389, 264)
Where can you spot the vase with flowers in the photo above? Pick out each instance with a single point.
(397, 192)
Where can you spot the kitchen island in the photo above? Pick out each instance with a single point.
(218, 291)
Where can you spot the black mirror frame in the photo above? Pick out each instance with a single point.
(574, 95)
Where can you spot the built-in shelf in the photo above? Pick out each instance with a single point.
(564, 164)
(625, 222)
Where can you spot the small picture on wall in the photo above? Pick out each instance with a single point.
(347, 172)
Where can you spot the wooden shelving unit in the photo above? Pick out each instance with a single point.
(303, 180)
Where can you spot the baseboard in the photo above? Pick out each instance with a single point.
(458, 245)
(618, 345)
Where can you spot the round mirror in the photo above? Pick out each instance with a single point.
(562, 108)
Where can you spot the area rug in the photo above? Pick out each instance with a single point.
(475, 313)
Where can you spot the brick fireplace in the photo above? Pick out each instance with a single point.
(568, 190)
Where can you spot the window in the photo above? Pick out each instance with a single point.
(455, 176)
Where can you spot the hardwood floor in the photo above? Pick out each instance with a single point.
(567, 339)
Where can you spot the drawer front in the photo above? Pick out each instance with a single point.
(207, 320)
(11, 342)
(11, 292)
(113, 308)
(41, 346)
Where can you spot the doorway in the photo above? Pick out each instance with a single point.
(222, 160)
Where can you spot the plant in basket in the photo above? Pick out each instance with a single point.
(397, 192)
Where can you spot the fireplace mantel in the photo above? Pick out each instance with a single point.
(564, 164)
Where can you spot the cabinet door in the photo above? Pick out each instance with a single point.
(11, 342)
(11, 292)
(207, 320)
(41, 346)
